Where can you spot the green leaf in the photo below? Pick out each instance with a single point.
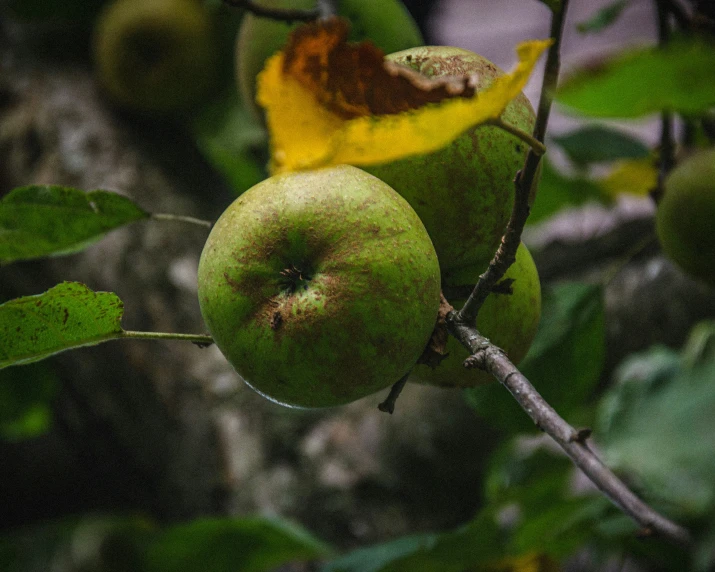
(38, 221)
(596, 144)
(603, 17)
(564, 362)
(679, 77)
(228, 137)
(656, 425)
(557, 192)
(378, 557)
(26, 394)
(226, 545)
(479, 542)
(67, 316)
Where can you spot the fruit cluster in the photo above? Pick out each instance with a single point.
(322, 287)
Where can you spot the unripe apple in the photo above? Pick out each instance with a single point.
(464, 192)
(509, 320)
(386, 23)
(685, 220)
(155, 55)
(319, 287)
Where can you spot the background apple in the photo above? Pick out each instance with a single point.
(155, 55)
(685, 220)
(464, 192)
(387, 23)
(509, 320)
(320, 287)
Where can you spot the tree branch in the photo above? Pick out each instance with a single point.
(492, 359)
(280, 14)
(506, 253)
(485, 355)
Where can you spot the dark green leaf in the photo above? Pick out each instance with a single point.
(603, 17)
(25, 398)
(557, 192)
(38, 221)
(477, 543)
(229, 138)
(67, 316)
(680, 78)
(564, 362)
(376, 558)
(595, 143)
(226, 545)
(656, 425)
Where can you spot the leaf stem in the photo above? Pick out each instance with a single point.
(182, 218)
(537, 146)
(199, 339)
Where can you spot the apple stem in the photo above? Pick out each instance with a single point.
(537, 146)
(198, 339)
(388, 406)
(182, 218)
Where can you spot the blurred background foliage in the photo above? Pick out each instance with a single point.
(651, 414)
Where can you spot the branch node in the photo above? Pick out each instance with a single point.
(581, 435)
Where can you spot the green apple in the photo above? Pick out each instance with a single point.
(155, 55)
(464, 192)
(387, 23)
(319, 287)
(509, 320)
(685, 220)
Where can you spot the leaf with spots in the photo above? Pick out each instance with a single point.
(49, 220)
(329, 102)
(67, 316)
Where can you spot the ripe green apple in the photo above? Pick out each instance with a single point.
(509, 320)
(155, 55)
(685, 221)
(464, 192)
(320, 287)
(387, 23)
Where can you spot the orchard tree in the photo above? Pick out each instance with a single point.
(373, 235)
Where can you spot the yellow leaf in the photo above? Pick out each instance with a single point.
(630, 176)
(306, 135)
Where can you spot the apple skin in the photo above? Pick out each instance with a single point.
(319, 287)
(509, 320)
(686, 216)
(464, 192)
(155, 55)
(387, 23)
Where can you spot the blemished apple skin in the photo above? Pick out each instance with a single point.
(685, 220)
(155, 56)
(319, 287)
(463, 192)
(509, 320)
(386, 23)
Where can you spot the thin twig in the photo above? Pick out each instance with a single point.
(280, 14)
(388, 406)
(506, 253)
(666, 156)
(490, 358)
(538, 147)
